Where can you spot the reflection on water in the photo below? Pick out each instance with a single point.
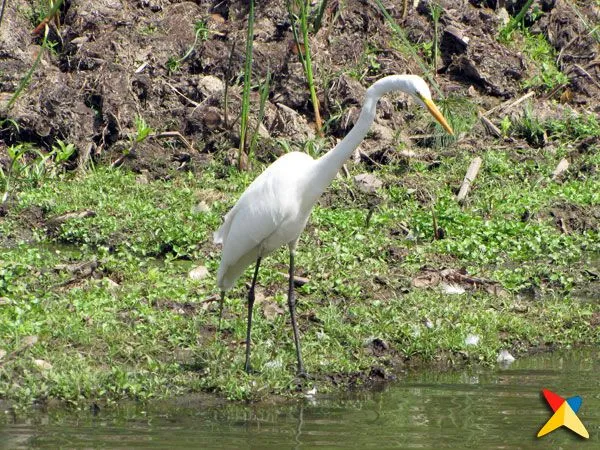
(492, 409)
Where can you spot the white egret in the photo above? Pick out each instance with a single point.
(274, 209)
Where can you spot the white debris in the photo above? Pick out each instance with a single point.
(311, 392)
(200, 208)
(504, 357)
(472, 339)
(452, 289)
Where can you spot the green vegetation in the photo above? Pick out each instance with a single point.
(29, 166)
(298, 11)
(538, 50)
(242, 155)
(548, 76)
(136, 326)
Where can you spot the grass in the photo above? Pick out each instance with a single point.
(147, 332)
(537, 48)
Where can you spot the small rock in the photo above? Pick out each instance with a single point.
(198, 273)
(200, 208)
(519, 308)
(367, 182)
(298, 281)
(271, 310)
(210, 85)
(376, 344)
(382, 133)
(29, 341)
(503, 15)
(505, 358)
(142, 179)
(472, 339)
(42, 364)
(428, 323)
(111, 285)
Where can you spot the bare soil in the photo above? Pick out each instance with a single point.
(110, 64)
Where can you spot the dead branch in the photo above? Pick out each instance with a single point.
(175, 134)
(489, 126)
(562, 166)
(508, 105)
(469, 177)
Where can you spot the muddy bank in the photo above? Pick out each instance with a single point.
(115, 60)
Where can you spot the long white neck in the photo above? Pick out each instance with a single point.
(328, 165)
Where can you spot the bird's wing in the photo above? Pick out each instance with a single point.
(265, 193)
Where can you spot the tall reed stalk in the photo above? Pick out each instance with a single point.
(303, 48)
(27, 78)
(264, 95)
(246, 92)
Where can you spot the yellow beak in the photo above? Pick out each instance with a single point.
(435, 112)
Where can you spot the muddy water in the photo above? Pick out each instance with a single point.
(488, 409)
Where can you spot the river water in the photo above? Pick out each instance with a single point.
(499, 408)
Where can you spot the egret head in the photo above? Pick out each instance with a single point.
(417, 88)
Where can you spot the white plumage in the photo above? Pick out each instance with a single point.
(266, 216)
(274, 209)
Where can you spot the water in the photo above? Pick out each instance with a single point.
(487, 409)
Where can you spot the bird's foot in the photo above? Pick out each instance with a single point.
(302, 379)
(303, 375)
(250, 371)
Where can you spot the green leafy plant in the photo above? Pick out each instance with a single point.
(143, 130)
(515, 23)
(298, 11)
(543, 54)
(318, 20)
(436, 13)
(264, 95)
(30, 166)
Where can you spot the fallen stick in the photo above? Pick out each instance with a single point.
(469, 177)
(298, 281)
(173, 134)
(506, 106)
(490, 127)
(562, 166)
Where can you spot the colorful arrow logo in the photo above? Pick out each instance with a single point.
(564, 414)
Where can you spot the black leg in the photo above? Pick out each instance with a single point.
(250, 306)
(221, 310)
(292, 306)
